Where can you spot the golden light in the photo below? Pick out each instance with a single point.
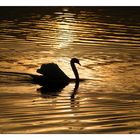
(65, 31)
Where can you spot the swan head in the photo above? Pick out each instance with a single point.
(75, 60)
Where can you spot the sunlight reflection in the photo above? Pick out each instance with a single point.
(65, 32)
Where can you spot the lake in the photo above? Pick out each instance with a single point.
(106, 40)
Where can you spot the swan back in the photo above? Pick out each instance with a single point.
(53, 73)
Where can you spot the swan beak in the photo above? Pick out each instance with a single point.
(79, 63)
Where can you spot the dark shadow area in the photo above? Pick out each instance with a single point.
(75, 90)
(18, 16)
(16, 73)
(15, 78)
(36, 12)
(48, 92)
(73, 100)
(45, 92)
(51, 89)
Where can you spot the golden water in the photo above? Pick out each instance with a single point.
(106, 41)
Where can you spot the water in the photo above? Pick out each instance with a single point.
(106, 41)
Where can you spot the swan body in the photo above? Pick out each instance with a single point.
(53, 77)
(53, 73)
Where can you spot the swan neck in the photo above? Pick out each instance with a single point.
(75, 71)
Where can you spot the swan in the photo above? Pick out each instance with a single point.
(53, 77)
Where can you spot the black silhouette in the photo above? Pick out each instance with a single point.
(53, 78)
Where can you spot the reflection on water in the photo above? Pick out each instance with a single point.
(105, 39)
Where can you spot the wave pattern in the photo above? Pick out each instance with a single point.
(107, 43)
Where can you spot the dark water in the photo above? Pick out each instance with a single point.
(107, 42)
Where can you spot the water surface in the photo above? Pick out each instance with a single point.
(106, 41)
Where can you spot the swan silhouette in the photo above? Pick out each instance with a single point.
(53, 77)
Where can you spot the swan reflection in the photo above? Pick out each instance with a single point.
(73, 102)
